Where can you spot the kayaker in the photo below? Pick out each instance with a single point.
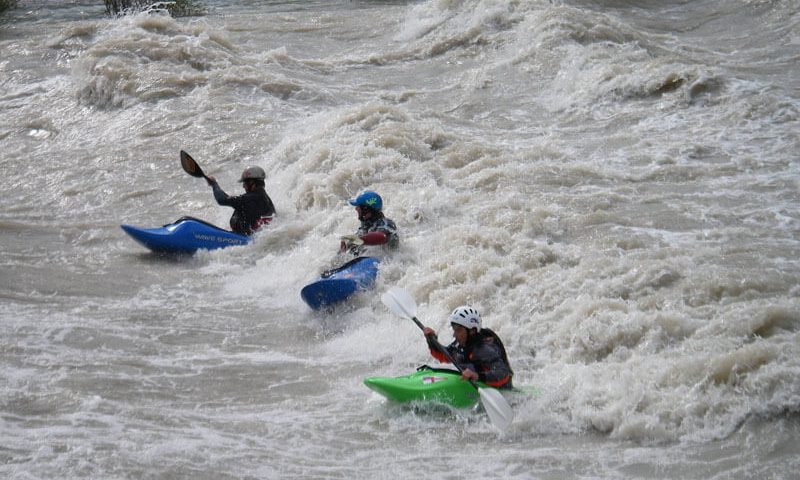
(375, 228)
(251, 210)
(478, 351)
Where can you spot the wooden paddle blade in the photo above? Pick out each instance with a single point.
(400, 302)
(500, 413)
(190, 166)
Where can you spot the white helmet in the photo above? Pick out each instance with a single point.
(467, 317)
(253, 173)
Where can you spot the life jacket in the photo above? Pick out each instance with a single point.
(379, 223)
(464, 354)
(251, 210)
(489, 336)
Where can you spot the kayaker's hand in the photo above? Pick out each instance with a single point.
(211, 180)
(468, 374)
(350, 243)
(351, 240)
(429, 332)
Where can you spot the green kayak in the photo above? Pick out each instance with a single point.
(427, 385)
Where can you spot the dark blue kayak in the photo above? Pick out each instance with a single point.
(186, 235)
(337, 285)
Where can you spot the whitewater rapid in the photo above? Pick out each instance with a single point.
(613, 185)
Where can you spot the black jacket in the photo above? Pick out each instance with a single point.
(250, 210)
(484, 354)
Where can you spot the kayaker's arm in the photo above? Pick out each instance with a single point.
(224, 199)
(219, 195)
(374, 238)
(435, 347)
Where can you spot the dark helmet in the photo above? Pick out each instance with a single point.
(253, 173)
(368, 199)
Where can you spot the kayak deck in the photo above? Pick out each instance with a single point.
(436, 385)
(185, 235)
(427, 385)
(337, 285)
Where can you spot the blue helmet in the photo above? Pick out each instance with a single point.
(369, 199)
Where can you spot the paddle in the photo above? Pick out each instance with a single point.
(401, 303)
(191, 167)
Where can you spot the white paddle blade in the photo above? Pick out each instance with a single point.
(500, 413)
(400, 302)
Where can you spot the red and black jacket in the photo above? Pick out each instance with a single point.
(484, 354)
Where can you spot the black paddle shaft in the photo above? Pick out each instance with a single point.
(444, 351)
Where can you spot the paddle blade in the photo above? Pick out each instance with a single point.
(400, 302)
(500, 413)
(190, 166)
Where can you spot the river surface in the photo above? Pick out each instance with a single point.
(615, 185)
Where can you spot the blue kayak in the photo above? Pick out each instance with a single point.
(186, 235)
(337, 285)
